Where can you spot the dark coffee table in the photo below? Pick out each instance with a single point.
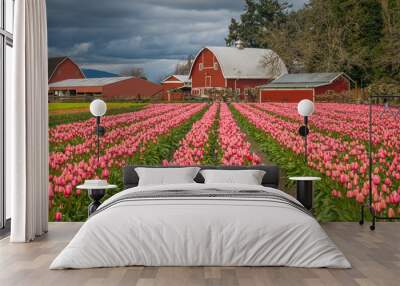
(305, 190)
(96, 193)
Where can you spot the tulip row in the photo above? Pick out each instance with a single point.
(113, 137)
(66, 177)
(345, 161)
(191, 150)
(68, 132)
(230, 140)
(235, 148)
(345, 119)
(352, 120)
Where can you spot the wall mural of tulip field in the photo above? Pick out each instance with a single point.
(234, 134)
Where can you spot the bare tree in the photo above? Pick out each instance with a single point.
(161, 77)
(184, 68)
(274, 63)
(134, 71)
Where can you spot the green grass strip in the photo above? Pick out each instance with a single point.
(57, 119)
(213, 152)
(81, 105)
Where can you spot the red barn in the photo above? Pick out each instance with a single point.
(62, 68)
(176, 82)
(234, 68)
(295, 87)
(128, 88)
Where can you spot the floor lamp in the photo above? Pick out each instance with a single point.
(305, 183)
(97, 188)
(98, 108)
(305, 109)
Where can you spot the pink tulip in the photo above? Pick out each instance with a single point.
(58, 216)
(67, 191)
(376, 180)
(360, 198)
(337, 194)
(105, 174)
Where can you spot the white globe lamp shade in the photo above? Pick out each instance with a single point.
(305, 107)
(98, 107)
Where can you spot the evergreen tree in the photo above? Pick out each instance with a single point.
(259, 16)
(234, 33)
(359, 37)
(387, 64)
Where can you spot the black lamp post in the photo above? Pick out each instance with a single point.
(305, 109)
(96, 191)
(98, 108)
(305, 184)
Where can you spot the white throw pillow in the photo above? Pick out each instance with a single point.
(166, 176)
(247, 177)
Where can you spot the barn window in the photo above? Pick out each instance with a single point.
(216, 66)
(201, 66)
(208, 81)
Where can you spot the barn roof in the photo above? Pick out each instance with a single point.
(139, 86)
(88, 81)
(247, 63)
(303, 80)
(54, 62)
(181, 77)
(93, 73)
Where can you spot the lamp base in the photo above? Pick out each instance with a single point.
(95, 195)
(305, 193)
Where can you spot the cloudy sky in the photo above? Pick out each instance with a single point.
(152, 34)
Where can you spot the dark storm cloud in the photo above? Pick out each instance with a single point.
(154, 34)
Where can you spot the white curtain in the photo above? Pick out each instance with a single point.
(27, 124)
